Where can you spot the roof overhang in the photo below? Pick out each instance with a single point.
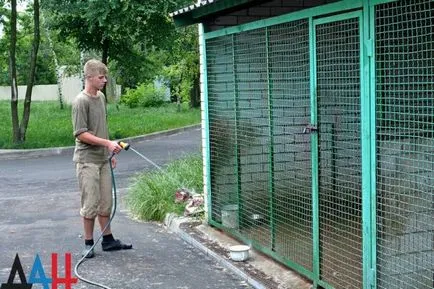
(205, 8)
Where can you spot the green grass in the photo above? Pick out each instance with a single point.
(152, 194)
(50, 126)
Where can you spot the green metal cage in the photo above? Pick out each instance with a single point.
(321, 140)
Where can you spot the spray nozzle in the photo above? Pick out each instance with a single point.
(124, 145)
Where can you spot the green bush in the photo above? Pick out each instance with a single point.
(145, 95)
(152, 194)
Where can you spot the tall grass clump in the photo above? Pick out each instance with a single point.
(152, 194)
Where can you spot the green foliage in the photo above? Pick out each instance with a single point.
(152, 194)
(123, 122)
(124, 31)
(44, 72)
(183, 64)
(145, 95)
(66, 51)
(133, 69)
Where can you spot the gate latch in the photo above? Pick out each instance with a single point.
(310, 129)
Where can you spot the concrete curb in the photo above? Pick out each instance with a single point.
(173, 224)
(8, 154)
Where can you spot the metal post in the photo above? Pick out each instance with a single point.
(314, 150)
(205, 122)
(237, 130)
(271, 133)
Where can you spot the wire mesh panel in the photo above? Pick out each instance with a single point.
(289, 78)
(405, 144)
(259, 103)
(253, 136)
(338, 101)
(222, 123)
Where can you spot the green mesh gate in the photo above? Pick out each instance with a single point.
(338, 102)
(260, 158)
(321, 137)
(291, 150)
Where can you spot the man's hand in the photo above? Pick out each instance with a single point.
(89, 138)
(113, 147)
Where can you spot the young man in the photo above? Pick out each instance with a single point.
(91, 156)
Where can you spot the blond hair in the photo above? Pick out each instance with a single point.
(94, 67)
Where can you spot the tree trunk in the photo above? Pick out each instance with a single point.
(105, 51)
(56, 62)
(81, 70)
(195, 92)
(31, 79)
(13, 72)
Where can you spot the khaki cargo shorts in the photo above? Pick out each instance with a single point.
(94, 181)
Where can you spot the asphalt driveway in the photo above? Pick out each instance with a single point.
(39, 203)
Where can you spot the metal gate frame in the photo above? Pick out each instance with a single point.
(314, 137)
(364, 10)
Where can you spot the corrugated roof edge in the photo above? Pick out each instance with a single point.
(191, 7)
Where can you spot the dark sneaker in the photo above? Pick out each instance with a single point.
(115, 245)
(88, 252)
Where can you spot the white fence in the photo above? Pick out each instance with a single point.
(71, 86)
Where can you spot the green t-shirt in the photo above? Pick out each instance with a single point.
(89, 115)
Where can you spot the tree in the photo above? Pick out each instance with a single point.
(45, 68)
(4, 63)
(19, 129)
(13, 72)
(182, 68)
(124, 31)
(3, 12)
(56, 64)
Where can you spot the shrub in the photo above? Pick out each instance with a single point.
(152, 194)
(145, 95)
(131, 98)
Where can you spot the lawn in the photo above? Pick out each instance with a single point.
(49, 126)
